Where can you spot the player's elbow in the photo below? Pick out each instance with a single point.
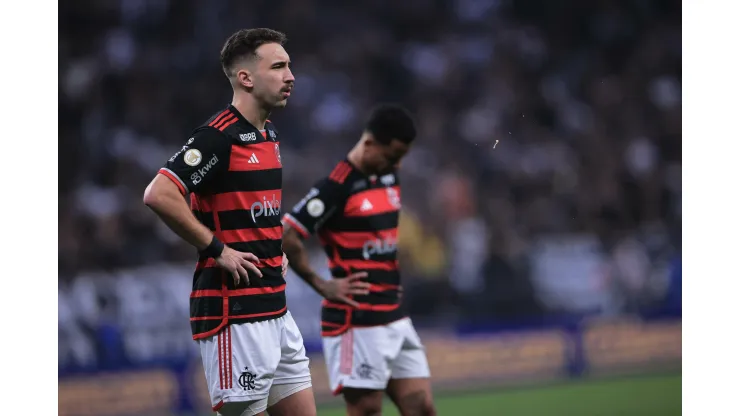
(150, 198)
(291, 240)
(155, 194)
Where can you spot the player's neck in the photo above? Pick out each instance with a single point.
(355, 158)
(251, 110)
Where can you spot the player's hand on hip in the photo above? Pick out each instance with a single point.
(340, 290)
(238, 264)
(285, 265)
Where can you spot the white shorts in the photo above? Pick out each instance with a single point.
(366, 358)
(243, 362)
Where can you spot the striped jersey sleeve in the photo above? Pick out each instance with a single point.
(200, 161)
(326, 198)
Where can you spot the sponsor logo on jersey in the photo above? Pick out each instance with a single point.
(197, 176)
(379, 247)
(184, 148)
(248, 137)
(388, 179)
(265, 208)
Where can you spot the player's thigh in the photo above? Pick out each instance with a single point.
(411, 361)
(291, 391)
(359, 358)
(248, 408)
(412, 396)
(294, 399)
(240, 362)
(363, 402)
(293, 367)
(410, 385)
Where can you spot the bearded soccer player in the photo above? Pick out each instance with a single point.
(370, 345)
(252, 350)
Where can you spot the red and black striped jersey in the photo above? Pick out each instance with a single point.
(356, 220)
(233, 174)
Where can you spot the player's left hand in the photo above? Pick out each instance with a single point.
(285, 265)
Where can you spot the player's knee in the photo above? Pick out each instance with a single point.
(366, 409)
(362, 402)
(428, 408)
(292, 399)
(417, 404)
(249, 408)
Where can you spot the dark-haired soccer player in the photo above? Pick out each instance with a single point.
(252, 350)
(370, 345)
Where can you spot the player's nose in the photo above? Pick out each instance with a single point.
(289, 78)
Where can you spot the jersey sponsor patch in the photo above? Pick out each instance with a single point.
(248, 137)
(193, 157)
(315, 207)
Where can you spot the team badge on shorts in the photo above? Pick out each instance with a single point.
(246, 379)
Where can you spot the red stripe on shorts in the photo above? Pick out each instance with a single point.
(220, 365)
(345, 353)
(230, 369)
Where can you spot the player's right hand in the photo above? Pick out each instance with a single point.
(237, 264)
(340, 290)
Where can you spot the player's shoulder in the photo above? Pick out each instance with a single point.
(210, 137)
(338, 182)
(214, 129)
(221, 120)
(342, 173)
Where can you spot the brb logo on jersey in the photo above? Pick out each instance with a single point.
(265, 208)
(248, 137)
(378, 247)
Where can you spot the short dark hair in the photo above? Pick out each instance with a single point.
(244, 44)
(391, 121)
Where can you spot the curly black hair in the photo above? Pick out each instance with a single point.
(391, 121)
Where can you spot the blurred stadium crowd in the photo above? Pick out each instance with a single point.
(581, 99)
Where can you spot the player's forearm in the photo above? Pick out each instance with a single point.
(166, 201)
(298, 259)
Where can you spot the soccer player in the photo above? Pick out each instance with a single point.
(252, 350)
(369, 343)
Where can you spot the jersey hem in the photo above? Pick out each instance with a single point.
(174, 178)
(339, 331)
(292, 221)
(237, 321)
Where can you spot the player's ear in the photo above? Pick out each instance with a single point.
(244, 78)
(369, 140)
